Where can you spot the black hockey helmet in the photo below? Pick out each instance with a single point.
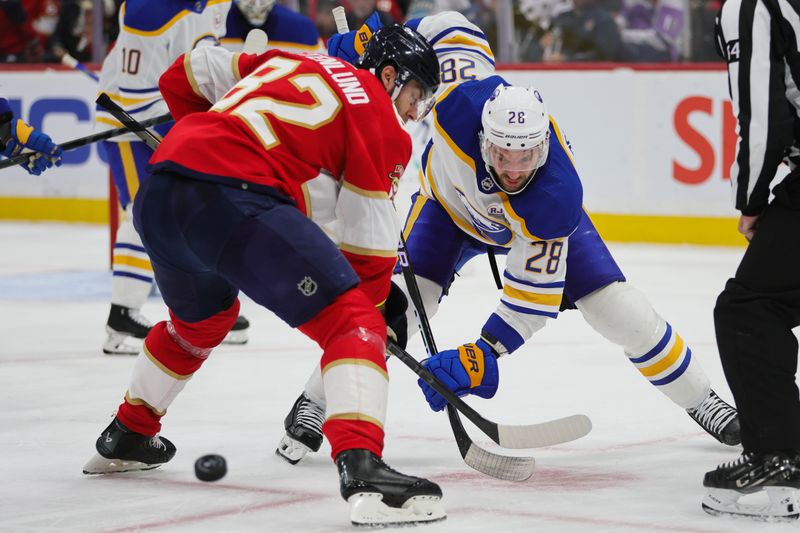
(409, 53)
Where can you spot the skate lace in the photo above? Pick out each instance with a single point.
(310, 415)
(139, 318)
(713, 413)
(742, 459)
(157, 443)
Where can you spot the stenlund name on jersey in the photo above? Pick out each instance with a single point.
(343, 77)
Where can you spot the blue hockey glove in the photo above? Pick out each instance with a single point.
(349, 46)
(21, 135)
(468, 369)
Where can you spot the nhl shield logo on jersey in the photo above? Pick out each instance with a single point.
(486, 183)
(307, 286)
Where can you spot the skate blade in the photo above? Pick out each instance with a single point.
(367, 509)
(291, 450)
(121, 344)
(101, 465)
(783, 506)
(236, 337)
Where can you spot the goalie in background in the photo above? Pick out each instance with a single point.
(760, 305)
(286, 29)
(17, 135)
(152, 34)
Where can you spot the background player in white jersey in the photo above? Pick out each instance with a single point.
(300, 139)
(286, 29)
(17, 135)
(152, 34)
(452, 220)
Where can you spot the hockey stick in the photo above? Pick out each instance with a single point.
(73, 63)
(557, 431)
(133, 125)
(340, 18)
(89, 139)
(255, 43)
(477, 458)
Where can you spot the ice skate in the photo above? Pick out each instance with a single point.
(719, 419)
(126, 329)
(303, 430)
(777, 474)
(238, 334)
(121, 450)
(381, 496)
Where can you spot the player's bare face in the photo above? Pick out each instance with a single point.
(410, 101)
(514, 168)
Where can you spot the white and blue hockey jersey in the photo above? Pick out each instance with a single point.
(534, 224)
(462, 49)
(464, 55)
(153, 33)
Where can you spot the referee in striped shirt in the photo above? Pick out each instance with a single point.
(756, 312)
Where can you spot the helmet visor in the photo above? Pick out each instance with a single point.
(505, 160)
(413, 95)
(424, 105)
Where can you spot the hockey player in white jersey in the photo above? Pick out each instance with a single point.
(467, 206)
(152, 34)
(286, 29)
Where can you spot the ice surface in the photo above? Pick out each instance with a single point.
(640, 469)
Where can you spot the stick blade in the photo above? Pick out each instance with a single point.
(340, 18)
(549, 433)
(499, 466)
(255, 42)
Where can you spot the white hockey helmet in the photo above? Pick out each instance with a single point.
(515, 139)
(255, 11)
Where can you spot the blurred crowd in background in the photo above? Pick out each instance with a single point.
(550, 31)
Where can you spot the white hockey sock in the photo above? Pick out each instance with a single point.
(315, 389)
(133, 273)
(624, 316)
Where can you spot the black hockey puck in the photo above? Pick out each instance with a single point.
(210, 467)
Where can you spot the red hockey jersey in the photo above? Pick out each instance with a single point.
(311, 126)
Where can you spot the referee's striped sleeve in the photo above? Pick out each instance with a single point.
(757, 81)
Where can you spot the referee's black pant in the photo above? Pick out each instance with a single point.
(754, 317)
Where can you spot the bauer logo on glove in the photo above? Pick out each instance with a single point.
(349, 46)
(469, 369)
(468, 354)
(362, 38)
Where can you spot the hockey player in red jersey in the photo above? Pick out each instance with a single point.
(266, 149)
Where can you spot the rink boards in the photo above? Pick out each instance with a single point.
(653, 146)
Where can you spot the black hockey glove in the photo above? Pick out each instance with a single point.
(394, 311)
